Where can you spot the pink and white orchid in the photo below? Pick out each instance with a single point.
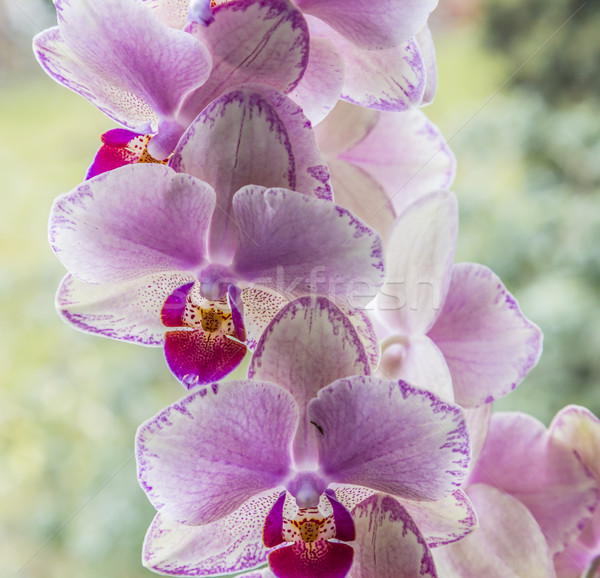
(453, 326)
(249, 471)
(157, 257)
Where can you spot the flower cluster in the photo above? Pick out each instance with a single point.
(274, 193)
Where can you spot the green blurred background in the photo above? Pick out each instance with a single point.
(518, 101)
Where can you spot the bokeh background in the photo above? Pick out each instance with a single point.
(518, 102)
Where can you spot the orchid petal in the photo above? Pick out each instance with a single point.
(489, 345)
(251, 135)
(425, 41)
(443, 521)
(419, 362)
(356, 190)
(522, 459)
(300, 245)
(507, 544)
(389, 543)
(126, 311)
(131, 222)
(201, 458)
(314, 560)
(263, 42)
(309, 344)
(173, 13)
(370, 24)
(388, 80)
(419, 449)
(260, 306)
(478, 422)
(407, 154)
(123, 59)
(578, 428)
(199, 357)
(322, 83)
(229, 545)
(119, 147)
(420, 252)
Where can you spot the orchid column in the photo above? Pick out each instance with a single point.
(274, 192)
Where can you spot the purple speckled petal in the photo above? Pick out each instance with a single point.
(443, 521)
(198, 461)
(131, 222)
(123, 59)
(369, 23)
(406, 153)
(424, 39)
(386, 80)
(344, 525)
(232, 544)
(251, 135)
(417, 361)
(418, 450)
(260, 306)
(199, 357)
(521, 458)
(271, 47)
(489, 345)
(508, 542)
(309, 344)
(301, 245)
(126, 311)
(389, 542)
(419, 256)
(322, 83)
(119, 147)
(173, 13)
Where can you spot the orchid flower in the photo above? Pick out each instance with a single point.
(532, 495)
(125, 57)
(455, 327)
(309, 463)
(382, 161)
(578, 429)
(157, 257)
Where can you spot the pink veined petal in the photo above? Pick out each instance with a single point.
(131, 222)
(372, 23)
(301, 245)
(322, 83)
(389, 543)
(230, 545)
(250, 135)
(198, 461)
(419, 362)
(443, 521)
(489, 345)
(198, 357)
(507, 544)
(419, 256)
(122, 58)
(425, 42)
(125, 311)
(407, 154)
(313, 560)
(419, 449)
(388, 80)
(309, 344)
(521, 458)
(271, 47)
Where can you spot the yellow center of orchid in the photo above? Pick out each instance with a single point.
(212, 316)
(139, 145)
(308, 525)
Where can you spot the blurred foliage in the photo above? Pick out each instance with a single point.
(558, 40)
